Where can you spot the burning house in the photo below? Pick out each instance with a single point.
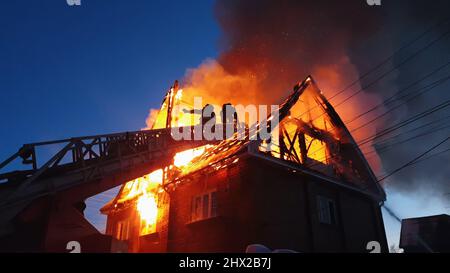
(309, 189)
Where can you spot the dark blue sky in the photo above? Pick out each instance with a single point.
(97, 68)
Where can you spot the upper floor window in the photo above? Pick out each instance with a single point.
(123, 230)
(326, 210)
(204, 206)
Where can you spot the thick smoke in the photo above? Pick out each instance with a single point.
(268, 46)
(281, 42)
(403, 21)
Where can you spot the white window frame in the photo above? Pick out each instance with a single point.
(201, 209)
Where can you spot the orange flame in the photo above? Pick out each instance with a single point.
(145, 190)
(217, 86)
(184, 158)
(148, 211)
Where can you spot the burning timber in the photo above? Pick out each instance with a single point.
(309, 189)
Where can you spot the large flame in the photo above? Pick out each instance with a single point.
(145, 189)
(211, 76)
(148, 211)
(182, 159)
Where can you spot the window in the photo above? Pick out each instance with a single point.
(123, 230)
(327, 210)
(213, 211)
(204, 206)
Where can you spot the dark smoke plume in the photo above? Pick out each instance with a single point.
(281, 42)
(284, 41)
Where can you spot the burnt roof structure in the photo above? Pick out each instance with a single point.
(312, 139)
(307, 188)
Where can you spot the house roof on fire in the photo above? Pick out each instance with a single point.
(306, 110)
(329, 150)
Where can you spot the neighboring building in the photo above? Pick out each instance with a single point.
(313, 191)
(426, 234)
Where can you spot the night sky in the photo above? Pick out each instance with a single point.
(100, 67)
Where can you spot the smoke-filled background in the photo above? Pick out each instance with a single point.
(403, 21)
(422, 189)
(267, 46)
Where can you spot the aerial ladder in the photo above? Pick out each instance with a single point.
(82, 167)
(42, 198)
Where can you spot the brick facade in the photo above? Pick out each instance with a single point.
(259, 202)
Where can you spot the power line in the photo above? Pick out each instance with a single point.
(318, 163)
(394, 68)
(432, 156)
(390, 145)
(392, 128)
(413, 161)
(425, 90)
(391, 57)
(392, 98)
(408, 121)
(411, 57)
(402, 124)
(440, 120)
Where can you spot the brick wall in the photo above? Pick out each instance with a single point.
(262, 203)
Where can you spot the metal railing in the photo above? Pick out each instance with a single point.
(87, 156)
(80, 150)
